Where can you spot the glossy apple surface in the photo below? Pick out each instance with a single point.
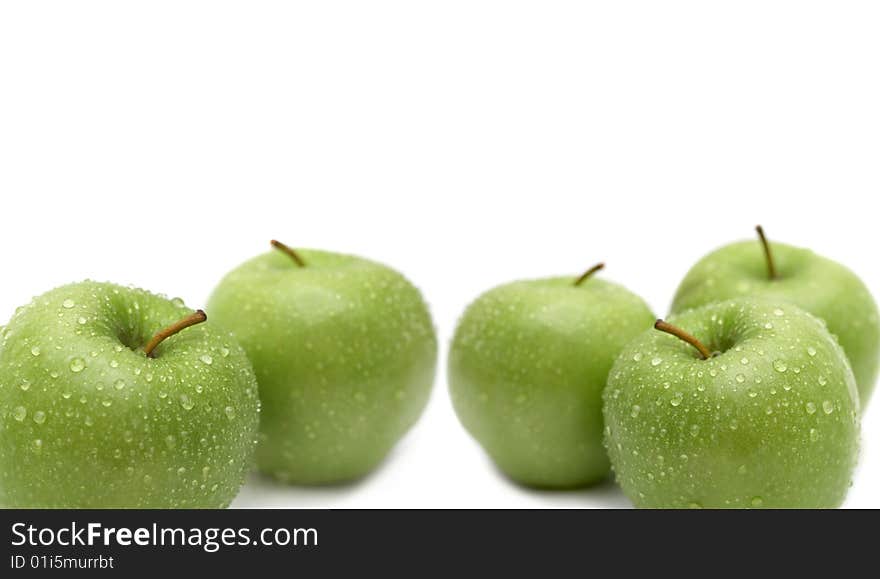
(87, 420)
(527, 367)
(344, 351)
(771, 421)
(819, 285)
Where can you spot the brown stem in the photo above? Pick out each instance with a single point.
(681, 334)
(588, 273)
(771, 267)
(289, 251)
(194, 318)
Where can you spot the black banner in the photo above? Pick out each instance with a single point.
(290, 542)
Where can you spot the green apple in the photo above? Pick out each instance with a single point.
(344, 351)
(784, 273)
(754, 406)
(102, 406)
(527, 367)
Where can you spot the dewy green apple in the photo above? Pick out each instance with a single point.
(749, 404)
(526, 371)
(783, 273)
(96, 414)
(344, 352)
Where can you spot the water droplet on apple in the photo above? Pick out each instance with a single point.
(695, 505)
(811, 351)
(81, 321)
(778, 312)
(676, 398)
(744, 361)
(19, 413)
(186, 402)
(39, 417)
(35, 351)
(757, 502)
(740, 378)
(637, 356)
(38, 446)
(823, 380)
(814, 434)
(695, 429)
(25, 385)
(635, 410)
(734, 424)
(106, 403)
(77, 365)
(119, 384)
(827, 407)
(170, 442)
(114, 363)
(780, 365)
(810, 408)
(656, 361)
(230, 412)
(742, 469)
(68, 303)
(224, 351)
(206, 359)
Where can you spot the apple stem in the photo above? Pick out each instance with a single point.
(289, 251)
(588, 273)
(194, 318)
(771, 267)
(682, 335)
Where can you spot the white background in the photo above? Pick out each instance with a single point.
(466, 143)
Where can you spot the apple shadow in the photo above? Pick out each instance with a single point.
(265, 492)
(604, 494)
(262, 491)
